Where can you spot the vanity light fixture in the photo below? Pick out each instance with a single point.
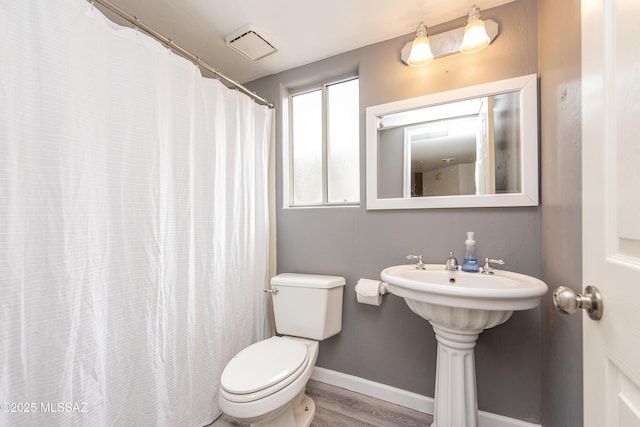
(472, 38)
(475, 33)
(420, 53)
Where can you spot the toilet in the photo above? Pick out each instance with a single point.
(264, 384)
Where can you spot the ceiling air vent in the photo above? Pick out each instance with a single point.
(250, 43)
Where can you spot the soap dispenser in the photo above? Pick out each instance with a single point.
(470, 261)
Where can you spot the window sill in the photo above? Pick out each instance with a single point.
(324, 206)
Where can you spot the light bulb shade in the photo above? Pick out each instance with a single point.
(475, 33)
(420, 54)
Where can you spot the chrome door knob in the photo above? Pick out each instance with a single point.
(566, 301)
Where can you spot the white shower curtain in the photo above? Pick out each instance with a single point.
(133, 224)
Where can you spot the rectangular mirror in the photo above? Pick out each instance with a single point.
(470, 147)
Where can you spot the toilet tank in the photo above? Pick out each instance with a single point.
(308, 305)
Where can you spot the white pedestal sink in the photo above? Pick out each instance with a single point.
(460, 306)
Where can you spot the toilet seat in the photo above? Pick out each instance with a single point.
(263, 368)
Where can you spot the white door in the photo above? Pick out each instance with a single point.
(611, 209)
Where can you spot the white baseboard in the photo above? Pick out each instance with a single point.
(404, 398)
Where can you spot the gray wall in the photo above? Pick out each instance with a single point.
(561, 234)
(390, 344)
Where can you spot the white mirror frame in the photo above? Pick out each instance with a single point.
(528, 87)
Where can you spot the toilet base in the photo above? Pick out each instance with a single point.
(297, 414)
(304, 411)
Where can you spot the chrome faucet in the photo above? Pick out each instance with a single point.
(420, 264)
(487, 268)
(451, 263)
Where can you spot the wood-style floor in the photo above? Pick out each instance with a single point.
(337, 407)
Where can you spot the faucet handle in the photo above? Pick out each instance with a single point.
(488, 268)
(420, 263)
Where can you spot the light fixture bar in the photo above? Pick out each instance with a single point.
(446, 43)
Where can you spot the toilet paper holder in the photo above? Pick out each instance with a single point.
(370, 291)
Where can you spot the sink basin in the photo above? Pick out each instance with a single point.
(502, 290)
(460, 306)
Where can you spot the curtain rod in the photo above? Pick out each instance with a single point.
(174, 46)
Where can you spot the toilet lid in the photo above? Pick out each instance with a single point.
(263, 364)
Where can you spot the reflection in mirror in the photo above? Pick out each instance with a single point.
(441, 158)
(473, 148)
(465, 149)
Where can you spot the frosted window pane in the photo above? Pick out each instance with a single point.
(307, 148)
(343, 170)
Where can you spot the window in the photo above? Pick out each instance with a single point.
(324, 147)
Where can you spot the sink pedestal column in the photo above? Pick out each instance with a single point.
(455, 395)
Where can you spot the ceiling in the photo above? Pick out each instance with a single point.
(304, 31)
